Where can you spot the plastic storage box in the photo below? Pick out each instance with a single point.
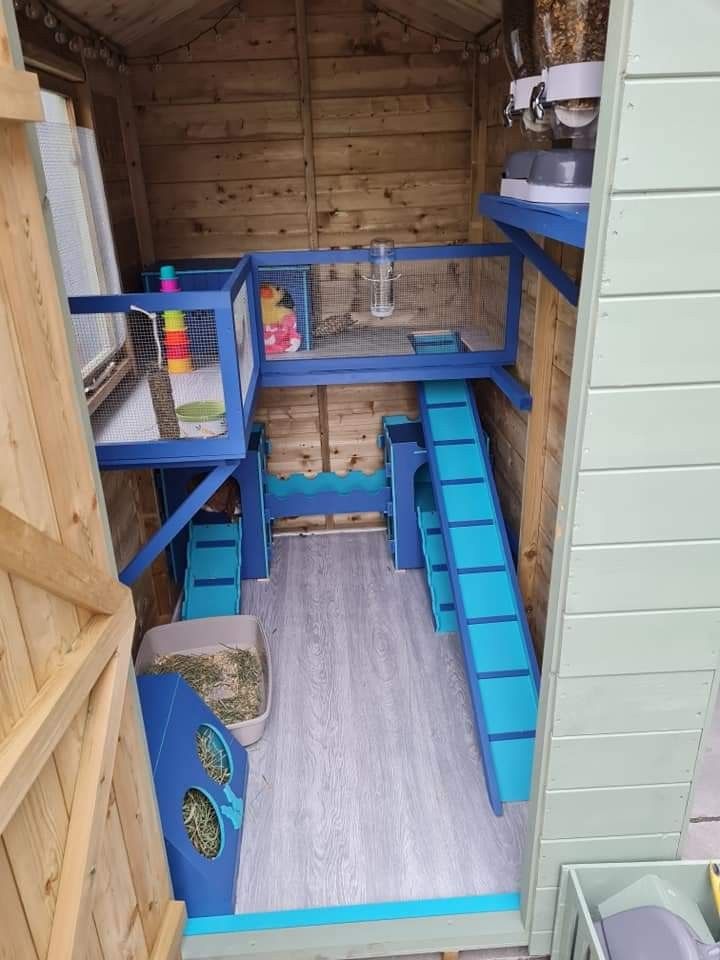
(210, 635)
(584, 888)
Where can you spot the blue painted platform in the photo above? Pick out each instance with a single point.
(565, 222)
(212, 574)
(465, 535)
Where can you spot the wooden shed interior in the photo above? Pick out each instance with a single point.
(266, 126)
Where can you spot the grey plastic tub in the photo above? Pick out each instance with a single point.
(584, 887)
(210, 635)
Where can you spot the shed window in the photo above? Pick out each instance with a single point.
(76, 198)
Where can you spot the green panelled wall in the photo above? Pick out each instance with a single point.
(633, 637)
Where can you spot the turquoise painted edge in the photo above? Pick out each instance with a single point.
(356, 913)
(326, 482)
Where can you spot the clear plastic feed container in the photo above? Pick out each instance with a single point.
(517, 32)
(571, 31)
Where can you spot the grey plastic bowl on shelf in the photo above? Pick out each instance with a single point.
(211, 635)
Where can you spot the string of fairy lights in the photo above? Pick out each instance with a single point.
(93, 46)
(88, 44)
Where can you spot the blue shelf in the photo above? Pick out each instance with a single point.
(519, 219)
(564, 222)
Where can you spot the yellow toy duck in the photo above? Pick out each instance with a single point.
(279, 320)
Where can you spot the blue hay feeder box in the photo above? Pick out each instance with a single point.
(173, 715)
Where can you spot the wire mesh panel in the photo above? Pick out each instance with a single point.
(243, 339)
(430, 296)
(177, 389)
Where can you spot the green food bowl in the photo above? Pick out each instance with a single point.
(202, 418)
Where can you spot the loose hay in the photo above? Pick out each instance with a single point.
(230, 681)
(212, 754)
(202, 823)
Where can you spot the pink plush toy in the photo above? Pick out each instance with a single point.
(280, 330)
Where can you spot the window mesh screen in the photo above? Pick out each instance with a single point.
(82, 228)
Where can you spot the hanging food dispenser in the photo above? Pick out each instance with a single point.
(564, 44)
(382, 278)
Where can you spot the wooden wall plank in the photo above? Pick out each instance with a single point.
(415, 73)
(241, 160)
(419, 151)
(630, 500)
(651, 160)
(643, 577)
(629, 759)
(636, 703)
(615, 811)
(420, 190)
(654, 50)
(639, 257)
(215, 82)
(554, 853)
(677, 426)
(644, 334)
(220, 198)
(617, 643)
(391, 115)
(204, 122)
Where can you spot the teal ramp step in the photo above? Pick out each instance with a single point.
(438, 578)
(212, 575)
(499, 657)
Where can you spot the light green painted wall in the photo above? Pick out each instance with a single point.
(633, 637)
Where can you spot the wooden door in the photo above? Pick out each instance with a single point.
(82, 862)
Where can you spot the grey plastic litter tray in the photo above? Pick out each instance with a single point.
(584, 888)
(210, 635)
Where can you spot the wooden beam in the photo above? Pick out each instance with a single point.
(478, 147)
(90, 801)
(307, 123)
(32, 740)
(31, 554)
(48, 61)
(546, 311)
(138, 192)
(169, 939)
(177, 29)
(19, 95)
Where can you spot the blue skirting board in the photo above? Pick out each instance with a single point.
(499, 657)
(355, 913)
(326, 493)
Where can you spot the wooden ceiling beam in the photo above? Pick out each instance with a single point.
(458, 18)
(179, 29)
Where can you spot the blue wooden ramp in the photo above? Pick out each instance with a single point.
(212, 574)
(465, 535)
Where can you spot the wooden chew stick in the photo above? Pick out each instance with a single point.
(163, 404)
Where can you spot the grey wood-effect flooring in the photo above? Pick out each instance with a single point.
(367, 785)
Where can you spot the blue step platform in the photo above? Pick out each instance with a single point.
(212, 574)
(472, 544)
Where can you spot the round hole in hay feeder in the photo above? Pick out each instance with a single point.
(202, 823)
(213, 753)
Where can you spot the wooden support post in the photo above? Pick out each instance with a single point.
(306, 114)
(138, 192)
(546, 311)
(478, 147)
(324, 424)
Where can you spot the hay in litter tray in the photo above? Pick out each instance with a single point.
(202, 823)
(212, 754)
(230, 680)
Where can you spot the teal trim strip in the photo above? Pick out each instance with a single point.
(326, 483)
(356, 913)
